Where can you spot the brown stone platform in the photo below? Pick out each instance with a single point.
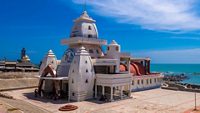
(150, 101)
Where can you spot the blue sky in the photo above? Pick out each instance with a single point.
(168, 31)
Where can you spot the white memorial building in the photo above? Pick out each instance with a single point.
(87, 72)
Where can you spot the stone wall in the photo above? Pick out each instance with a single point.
(18, 83)
(11, 75)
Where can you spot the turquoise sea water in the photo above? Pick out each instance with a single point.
(191, 70)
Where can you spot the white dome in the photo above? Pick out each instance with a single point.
(85, 27)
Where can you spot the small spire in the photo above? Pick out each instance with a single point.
(50, 52)
(114, 42)
(82, 48)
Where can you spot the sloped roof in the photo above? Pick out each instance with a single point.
(2, 63)
(21, 64)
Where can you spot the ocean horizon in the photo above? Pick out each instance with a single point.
(190, 70)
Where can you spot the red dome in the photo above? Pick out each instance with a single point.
(123, 68)
(135, 68)
(139, 69)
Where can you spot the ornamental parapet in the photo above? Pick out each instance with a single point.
(82, 40)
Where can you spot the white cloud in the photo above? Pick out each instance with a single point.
(171, 56)
(160, 15)
(186, 38)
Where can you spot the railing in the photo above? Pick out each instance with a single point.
(104, 61)
(125, 54)
(111, 79)
(149, 75)
(75, 40)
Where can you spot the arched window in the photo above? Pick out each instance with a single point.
(117, 48)
(86, 70)
(89, 36)
(89, 28)
(108, 48)
(86, 81)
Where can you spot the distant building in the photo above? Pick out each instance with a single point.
(86, 72)
(24, 64)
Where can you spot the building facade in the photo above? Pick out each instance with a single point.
(86, 72)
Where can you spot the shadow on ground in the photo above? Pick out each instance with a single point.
(31, 96)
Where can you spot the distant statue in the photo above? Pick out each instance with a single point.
(24, 57)
(5, 58)
(23, 53)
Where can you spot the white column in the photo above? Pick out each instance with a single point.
(103, 90)
(129, 90)
(95, 91)
(111, 95)
(69, 92)
(129, 69)
(121, 92)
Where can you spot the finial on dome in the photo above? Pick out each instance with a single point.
(114, 42)
(50, 52)
(82, 48)
(85, 15)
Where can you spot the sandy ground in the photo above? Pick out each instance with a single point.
(150, 101)
(19, 106)
(6, 108)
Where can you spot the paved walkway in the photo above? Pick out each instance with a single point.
(151, 101)
(19, 106)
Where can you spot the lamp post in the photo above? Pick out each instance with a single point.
(195, 101)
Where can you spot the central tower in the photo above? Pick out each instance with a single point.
(85, 27)
(84, 33)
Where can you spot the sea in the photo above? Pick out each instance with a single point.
(192, 71)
